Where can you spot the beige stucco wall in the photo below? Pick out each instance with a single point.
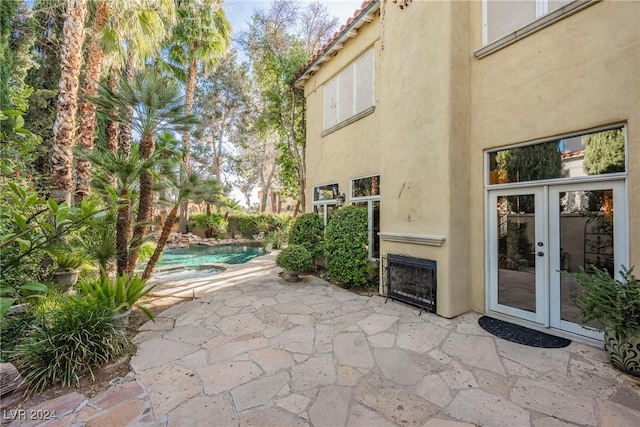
(353, 150)
(438, 108)
(425, 105)
(576, 74)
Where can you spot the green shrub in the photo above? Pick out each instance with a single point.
(74, 337)
(146, 250)
(308, 231)
(295, 258)
(214, 225)
(12, 329)
(252, 224)
(345, 246)
(276, 238)
(123, 293)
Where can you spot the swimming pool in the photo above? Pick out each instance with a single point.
(195, 256)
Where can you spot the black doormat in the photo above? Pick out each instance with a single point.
(520, 334)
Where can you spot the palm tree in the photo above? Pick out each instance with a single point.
(116, 176)
(64, 127)
(158, 106)
(199, 41)
(189, 187)
(95, 55)
(142, 24)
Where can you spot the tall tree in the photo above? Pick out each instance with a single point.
(158, 105)
(224, 103)
(121, 30)
(48, 17)
(64, 128)
(276, 54)
(88, 121)
(200, 39)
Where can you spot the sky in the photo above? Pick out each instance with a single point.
(239, 11)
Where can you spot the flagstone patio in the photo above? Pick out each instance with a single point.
(254, 350)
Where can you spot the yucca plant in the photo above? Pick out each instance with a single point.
(121, 294)
(75, 336)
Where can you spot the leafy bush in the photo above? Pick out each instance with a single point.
(295, 258)
(213, 225)
(146, 250)
(75, 337)
(345, 246)
(308, 231)
(12, 329)
(252, 224)
(276, 238)
(123, 293)
(612, 303)
(29, 224)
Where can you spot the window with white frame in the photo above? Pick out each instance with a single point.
(365, 192)
(350, 92)
(324, 201)
(502, 17)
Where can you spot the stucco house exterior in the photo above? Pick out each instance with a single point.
(494, 143)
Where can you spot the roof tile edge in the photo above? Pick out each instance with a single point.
(338, 38)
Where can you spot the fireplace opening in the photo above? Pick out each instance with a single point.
(410, 280)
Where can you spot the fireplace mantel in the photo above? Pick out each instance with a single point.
(418, 239)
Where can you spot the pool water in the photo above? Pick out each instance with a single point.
(194, 256)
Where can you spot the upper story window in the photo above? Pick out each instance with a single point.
(574, 156)
(350, 93)
(503, 17)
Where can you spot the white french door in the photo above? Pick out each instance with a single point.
(539, 231)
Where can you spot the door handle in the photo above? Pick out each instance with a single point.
(540, 253)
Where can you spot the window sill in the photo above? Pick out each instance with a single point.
(347, 122)
(535, 26)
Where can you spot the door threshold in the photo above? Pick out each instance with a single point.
(552, 331)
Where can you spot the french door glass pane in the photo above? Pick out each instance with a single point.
(376, 229)
(586, 240)
(516, 257)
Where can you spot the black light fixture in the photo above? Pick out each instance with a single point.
(340, 198)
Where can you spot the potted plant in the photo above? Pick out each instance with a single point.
(121, 294)
(294, 259)
(614, 304)
(66, 274)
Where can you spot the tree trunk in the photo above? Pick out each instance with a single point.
(186, 137)
(113, 128)
(126, 139)
(88, 119)
(123, 234)
(145, 203)
(162, 241)
(64, 127)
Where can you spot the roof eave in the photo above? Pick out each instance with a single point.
(351, 30)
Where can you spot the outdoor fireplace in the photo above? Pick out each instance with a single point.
(411, 280)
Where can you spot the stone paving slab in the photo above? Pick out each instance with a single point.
(252, 350)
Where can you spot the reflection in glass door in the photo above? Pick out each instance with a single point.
(585, 218)
(518, 250)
